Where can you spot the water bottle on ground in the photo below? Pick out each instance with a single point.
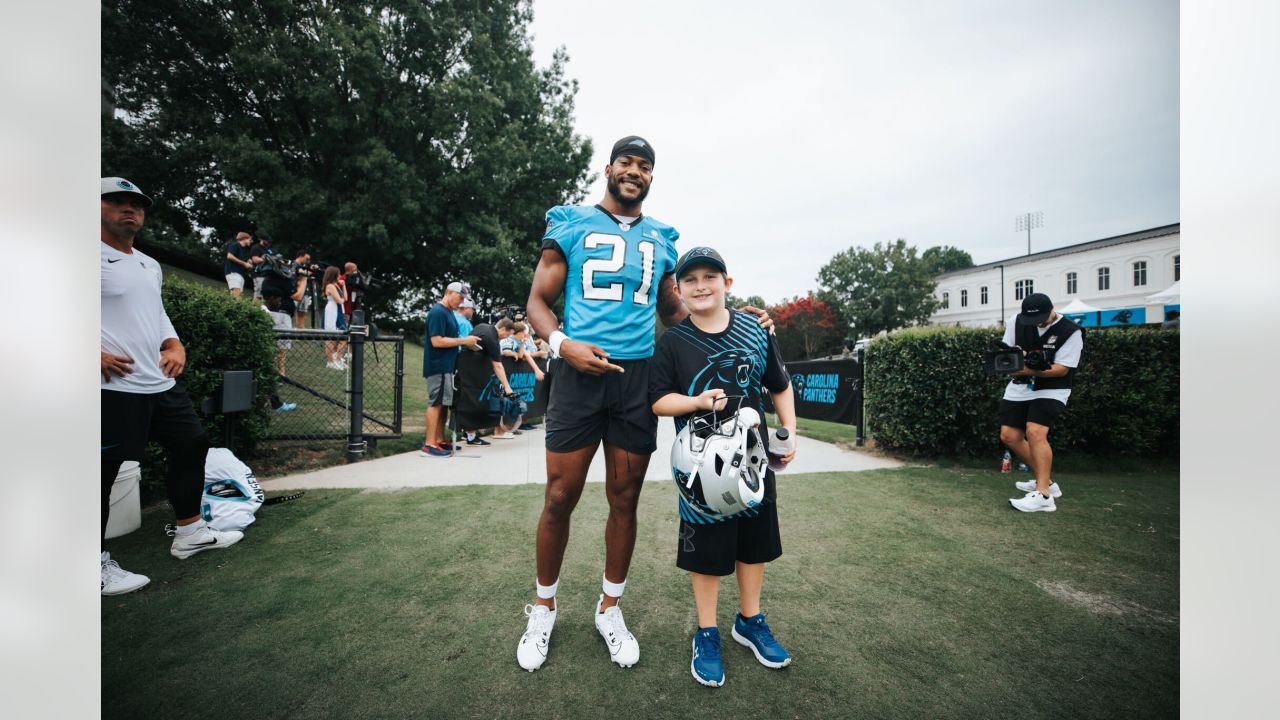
(781, 442)
(1007, 463)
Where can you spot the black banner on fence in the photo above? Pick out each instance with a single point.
(825, 389)
(478, 386)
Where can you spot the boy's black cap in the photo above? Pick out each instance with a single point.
(632, 145)
(1035, 309)
(700, 256)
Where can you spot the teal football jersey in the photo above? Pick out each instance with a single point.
(611, 287)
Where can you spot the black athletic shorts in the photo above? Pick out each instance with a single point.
(582, 409)
(716, 548)
(1017, 414)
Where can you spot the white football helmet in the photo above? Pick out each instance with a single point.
(718, 462)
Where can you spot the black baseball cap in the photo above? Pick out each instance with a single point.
(1035, 309)
(632, 145)
(700, 256)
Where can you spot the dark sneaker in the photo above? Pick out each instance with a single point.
(706, 666)
(433, 451)
(479, 441)
(754, 633)
(527, 426)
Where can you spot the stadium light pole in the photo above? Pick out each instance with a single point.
(1027, 221)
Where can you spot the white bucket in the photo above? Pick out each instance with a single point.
(126, 504)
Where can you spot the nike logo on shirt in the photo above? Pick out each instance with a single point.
(116, 260)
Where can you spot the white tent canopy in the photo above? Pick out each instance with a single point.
(1168, 296)
(1078, 306)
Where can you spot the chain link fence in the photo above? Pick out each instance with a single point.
(338, 386)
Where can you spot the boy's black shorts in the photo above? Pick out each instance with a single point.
(1041, 412)
(716, 548)
(582, 409)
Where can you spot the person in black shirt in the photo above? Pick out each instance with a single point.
(257, 255)
(236, 266)
(491, 337)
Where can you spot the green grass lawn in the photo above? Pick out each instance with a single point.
(911, 593)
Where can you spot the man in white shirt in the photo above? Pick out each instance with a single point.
(1037, 394)
(141, 356)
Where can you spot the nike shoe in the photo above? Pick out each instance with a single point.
(754, 633)
(118, 581)
(527, 426)
(623, 648)
(1027, 486)
(1034, 502)
(706, 666)
(433, 451)
(477, 440)
(532, 650)
(206, 538)
(506, 436)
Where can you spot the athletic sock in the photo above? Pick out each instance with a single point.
(185, 530)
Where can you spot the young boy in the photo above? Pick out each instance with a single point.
(715, 354)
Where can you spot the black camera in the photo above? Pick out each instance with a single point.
(1002, 359)
(1039, 359)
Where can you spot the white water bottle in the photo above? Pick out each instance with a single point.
(781, 442)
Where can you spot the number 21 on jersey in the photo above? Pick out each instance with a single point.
(612, 264)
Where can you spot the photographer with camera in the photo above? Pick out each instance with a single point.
(1044, 351)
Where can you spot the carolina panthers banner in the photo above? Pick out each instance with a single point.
(477, 400)
(825, 389)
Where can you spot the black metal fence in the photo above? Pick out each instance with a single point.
(339, 386)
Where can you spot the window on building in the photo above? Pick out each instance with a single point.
(984, 295)
(964, 298)
(1177, 268)
(1140, 273)
(1071, 283)
(1104, 278)
(1023, 288)
(946, 300)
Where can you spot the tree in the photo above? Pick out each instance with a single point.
(884, 288)
(807, 327)
(733, 301)
(945, 258)
(417, 139)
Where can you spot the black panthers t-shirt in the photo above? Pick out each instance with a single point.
(488, 335)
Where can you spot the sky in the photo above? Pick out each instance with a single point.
(788, 132)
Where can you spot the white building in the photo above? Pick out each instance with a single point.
(1114, 274)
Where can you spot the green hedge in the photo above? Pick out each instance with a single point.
(219, 333)
(926, 394)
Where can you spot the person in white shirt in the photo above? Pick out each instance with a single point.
(141, 400)
(1037, 395)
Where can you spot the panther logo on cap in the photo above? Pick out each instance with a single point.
(637, 142)
(124, 184)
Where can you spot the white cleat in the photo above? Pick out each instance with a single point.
(532, 650)
(1034, 502)
(206, 538)
(1026, 486)
(118, 581)
(623, 648)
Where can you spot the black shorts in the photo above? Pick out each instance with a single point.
(129, 420)
(716, 548)
(582, 409)
(1017, 414)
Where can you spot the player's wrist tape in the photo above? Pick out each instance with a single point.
(612, 589)
(554, 341)
(546, 592)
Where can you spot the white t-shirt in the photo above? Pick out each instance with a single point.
(134, 322)
(1068, 355)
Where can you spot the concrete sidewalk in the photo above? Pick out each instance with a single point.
(521, 459)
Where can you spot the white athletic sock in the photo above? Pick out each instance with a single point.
(613, 589)
(185, 530)
(547, 592)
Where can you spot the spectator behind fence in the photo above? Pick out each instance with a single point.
(302, 271)
(258, 255)
(464, 313)
(236, 266)
(441, 343)
(272, 297)
(141, 400)
(355, 283)
(334, 294)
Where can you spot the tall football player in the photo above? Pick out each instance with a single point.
(614, 266)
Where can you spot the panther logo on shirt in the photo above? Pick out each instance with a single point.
(730, 367)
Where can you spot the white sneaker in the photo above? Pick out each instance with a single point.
(1055, 492)
(118, 581)
(532, 650)
(1034, 502)
(623, 648)
(206, 538)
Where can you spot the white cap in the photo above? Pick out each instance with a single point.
(460, 288)
(112, 185)
(466, 303)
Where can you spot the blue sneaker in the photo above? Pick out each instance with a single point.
(287, 407)
(706, 666)
(433, 451)
(754, 632)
